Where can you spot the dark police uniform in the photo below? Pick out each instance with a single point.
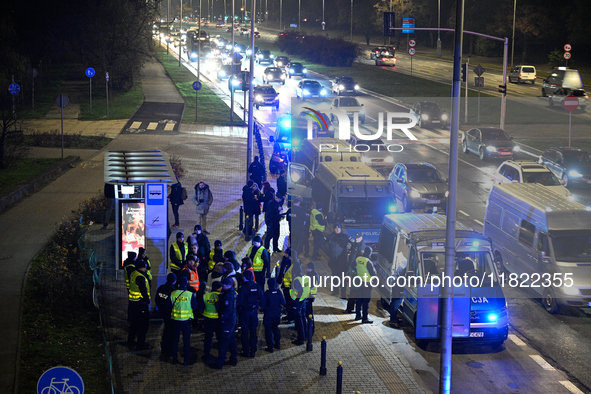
(165, 307)
(226, 307)
(250, 297)
(273, 302)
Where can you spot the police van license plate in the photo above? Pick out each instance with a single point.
(433, 201)
(477, 334)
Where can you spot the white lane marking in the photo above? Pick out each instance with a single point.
(515, 339)
(447, 153)
(570, 387)
(152, 126)
(463, 213)
(479, 222)
(542, 363)
(169, 127)
(136, 125)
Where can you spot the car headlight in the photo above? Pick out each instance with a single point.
(235, 82)
(491, 149)
(516, 148)
(323, 92)
(446, 193)
(291, 70)
(415, 194)
(228, 46)
(574, 174)
(444, 117)
(279, 64)
(570, 290)
(356, 87)
(282, 76)
(222, 73)
(341, 87)
(272, 56)
(270, 77)
(258, 97)
(389, 159)
(193, 55)
(304, 70)
(305, 92)
(425, 117)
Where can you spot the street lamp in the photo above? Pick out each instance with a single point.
(438, 27)
(513, 38)
(351, 35)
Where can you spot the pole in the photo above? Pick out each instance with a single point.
(478, 103)
(438, 27)
(180, 33)
(107, 94)
(62, 111)
(570, 116)
(323, 15)
(351, 34)
(340, 378)
(90, 94)
(389, 37)
(450, 231)
(299, 15)
(33, 90)
(250, 96)
(323, 356)
(232, 72)
(504, 96)
(513, 36)
(199, 44)
(280, 14)
(196, 103)
(467, 81)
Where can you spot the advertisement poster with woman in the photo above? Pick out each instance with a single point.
(133, 228)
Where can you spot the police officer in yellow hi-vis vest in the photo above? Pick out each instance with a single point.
(261, 262)
(365, 270)
(178, 253)
(211, 319)
(311, 280)
(129, 267)
(299, 293)
(139, 307)
(183, 304)
(216, 255)
(317, 226)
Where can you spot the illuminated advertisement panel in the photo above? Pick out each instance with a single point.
(133, 228)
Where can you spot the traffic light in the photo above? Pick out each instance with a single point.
(464, 73)
(503, 89)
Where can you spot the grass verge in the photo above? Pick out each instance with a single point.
(122, 105)
(53, 139)
(212, 110)
(21, 171)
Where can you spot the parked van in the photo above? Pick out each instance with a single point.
(561, 78)
(543, 237)
(520, 74)
(320, 150)
(412, 247)
(355, 195)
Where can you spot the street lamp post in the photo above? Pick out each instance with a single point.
(280, 14)
(322, 14)
(299, 15)
(351, 34)
(438, 27)
(513, 37)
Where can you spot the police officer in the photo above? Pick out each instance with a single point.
(142, 255)
(365, 270)
(298, 294)
(273, 302)
(183, 303)
(139, 304)
(337, 254)
(189, 271)
(216, 255)
(317, 226)
(165, 307)
(226, 307)
(250, 297)
(210, 317)
(356, 247)
(129, 267)
(284, 278)
(299, 221)
(273, 221)
(311, 280)
(178, 252)
(260, 260)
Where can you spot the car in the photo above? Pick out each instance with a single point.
(287, 34)
(239, 81)
(520, 74)
(296, 69)
(264, 56)
(377, 156)
(558, 96)
(213, 64)
(489, 142)
(385, 60)
(523, 171)
(350, 105)
(274, 74)
(429, 114)
(257, 34)
(419, 186)
(561, 78)
(387, 50)
(243, 31)
(250, 51)
(241, 48)
(224, 72)
(344, 85)
(220, 25)
(281, 61)
(570, 165)
(265, 95)
(310, 88)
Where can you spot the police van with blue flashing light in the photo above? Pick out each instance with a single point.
(411, 250)
(354, 195)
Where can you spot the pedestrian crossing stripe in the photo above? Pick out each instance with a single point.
(136, 125)
(169, 127)
(152, 126)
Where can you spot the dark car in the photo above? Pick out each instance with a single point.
(344, 85)
(224, 72)
(310, 88)
(296, 69)
(570, 165)
(383, 50)
(419, 186)
(266, 96)
(241, 48)
(264, 56)
(281, 61)
(239, 81)
(489, 142)
(257, 34)
(429, 114)
(274, 74)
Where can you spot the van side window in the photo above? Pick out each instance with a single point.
(494, 213)
(543, 243)
(413, 267)
(526, 233)
(387, 244)
(510, 223)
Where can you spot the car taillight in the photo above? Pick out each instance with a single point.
(383, 58)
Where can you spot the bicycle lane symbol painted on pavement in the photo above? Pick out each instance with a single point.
(60, 380)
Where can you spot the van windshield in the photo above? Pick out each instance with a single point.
(370, 211)
(467, 264)
(571, 246)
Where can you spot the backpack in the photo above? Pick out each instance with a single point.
(184, 193)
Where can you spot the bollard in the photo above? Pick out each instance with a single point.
(323, 357)
(309, 345)
(340, 378)
(241, 225)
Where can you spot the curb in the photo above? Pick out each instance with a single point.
(36, 183)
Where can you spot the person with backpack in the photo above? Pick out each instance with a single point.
(177, 196)
(203, 200)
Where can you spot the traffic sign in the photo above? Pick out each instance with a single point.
(408, 24)
(13, 88)
(567, 47)
(411, 51)
(412, 43)
(570, 103)
(107, 76)
(566, 55)
(90, 72)
(479, 82)
(60, 380)
(62, 101)
(479, 70)
(197, 85)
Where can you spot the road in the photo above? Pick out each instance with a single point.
(545, 353)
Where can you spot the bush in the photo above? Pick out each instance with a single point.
(177, 166)
(331, 52)
(555, 59)
(53, 139)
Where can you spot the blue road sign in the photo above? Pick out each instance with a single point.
(107, 76)
(13, 88)
(60, 380)
(197, 85)
(408, 24)
(90, 72)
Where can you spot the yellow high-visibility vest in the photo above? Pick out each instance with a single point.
(134, 290)
(361, 265)
(314, 225)
(257, 262)
(177, 252)
(305, 290)
(181, 301)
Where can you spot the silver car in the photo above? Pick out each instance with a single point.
(420, 187)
